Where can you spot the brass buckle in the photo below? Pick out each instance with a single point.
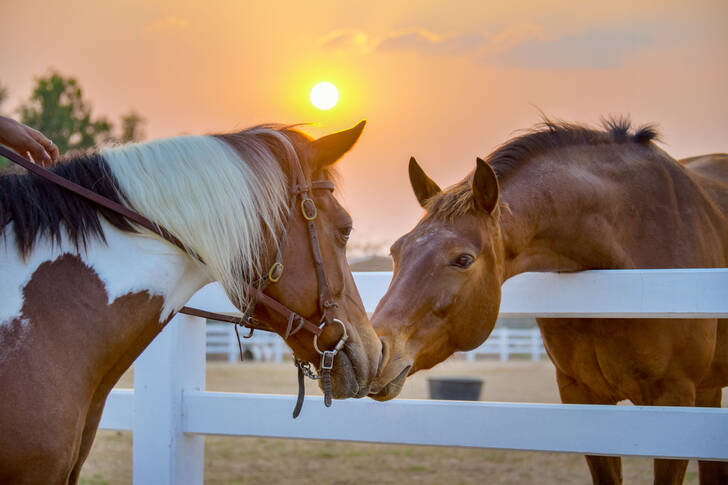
(275, 272)
(309, 216)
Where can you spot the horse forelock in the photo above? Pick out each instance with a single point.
(507, 159)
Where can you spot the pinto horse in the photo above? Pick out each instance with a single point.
(567, 198)
(85, 290)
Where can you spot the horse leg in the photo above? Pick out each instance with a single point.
(679, 394)
(605, 470)
(89, 433)
(711, 472)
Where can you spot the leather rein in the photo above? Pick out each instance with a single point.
(299, 189)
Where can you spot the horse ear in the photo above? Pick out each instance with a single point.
(330, 148)
(422, 185)
(485, 187)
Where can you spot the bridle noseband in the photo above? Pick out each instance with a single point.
(299, 188)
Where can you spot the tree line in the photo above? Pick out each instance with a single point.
(57, 108)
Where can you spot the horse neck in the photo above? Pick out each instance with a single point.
(613, 206)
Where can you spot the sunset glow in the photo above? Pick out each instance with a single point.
(444, 85)
(324, 95)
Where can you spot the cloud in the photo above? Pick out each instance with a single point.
(345, 40)
(522, 45)
(418, 40)
(428, 42)
(515, 35)
(594, 49)
(167, 24)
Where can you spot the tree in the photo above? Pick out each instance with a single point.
(4, 162)
(132, 127)
(57, 108)
(3, 94)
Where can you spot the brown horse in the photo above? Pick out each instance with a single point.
(567, 198)
(84, 291)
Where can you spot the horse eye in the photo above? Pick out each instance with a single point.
(462, 261)
(345, 232)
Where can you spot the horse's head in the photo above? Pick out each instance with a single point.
(445, 293)
(299, 287)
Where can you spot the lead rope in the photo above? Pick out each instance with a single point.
(301, 391)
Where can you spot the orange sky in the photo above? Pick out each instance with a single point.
(444, 81)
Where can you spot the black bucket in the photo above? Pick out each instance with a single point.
(455, 388)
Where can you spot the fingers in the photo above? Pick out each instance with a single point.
(37, 152)
(49, 148)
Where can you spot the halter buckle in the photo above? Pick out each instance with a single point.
(275, 272)
(327, 359)
(308, 214)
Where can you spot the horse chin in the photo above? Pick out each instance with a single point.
(393, 387)
(344, 382)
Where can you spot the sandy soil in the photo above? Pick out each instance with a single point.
(277, 461)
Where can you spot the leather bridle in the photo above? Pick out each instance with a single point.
(299, 189)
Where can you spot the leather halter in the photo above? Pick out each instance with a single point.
(299, 188)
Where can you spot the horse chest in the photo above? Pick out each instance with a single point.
(616, 359)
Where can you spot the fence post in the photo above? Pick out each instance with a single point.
(535, 347)
(232, 339)
(277, 351)
(504, 351)
(172, 364)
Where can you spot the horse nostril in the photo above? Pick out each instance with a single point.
(381, 357)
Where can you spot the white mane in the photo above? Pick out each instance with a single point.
(202, 192)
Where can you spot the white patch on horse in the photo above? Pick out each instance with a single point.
(129, 263)
(434, 232)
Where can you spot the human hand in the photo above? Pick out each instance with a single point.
(25, 140)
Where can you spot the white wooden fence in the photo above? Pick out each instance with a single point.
(169, 413)
(221, 339)
(503, 342)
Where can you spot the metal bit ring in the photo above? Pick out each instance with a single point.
(339, 344)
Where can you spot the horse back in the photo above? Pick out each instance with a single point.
(711, 174)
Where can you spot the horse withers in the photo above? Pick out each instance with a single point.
(567, 198)
(85, 290)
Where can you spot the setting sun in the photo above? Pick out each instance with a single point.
(324, 95)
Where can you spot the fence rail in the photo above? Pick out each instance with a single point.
(169, 413)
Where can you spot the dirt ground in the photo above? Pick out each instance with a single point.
(234, 460)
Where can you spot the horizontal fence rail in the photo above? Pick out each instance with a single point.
(169, 413)
(654, 293)
(598, 430)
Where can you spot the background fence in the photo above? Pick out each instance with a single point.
(503, 343)
(169, 412)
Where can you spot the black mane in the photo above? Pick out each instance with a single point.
(550, 135)
(39, 208)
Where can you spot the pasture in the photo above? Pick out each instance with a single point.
(232, 460)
